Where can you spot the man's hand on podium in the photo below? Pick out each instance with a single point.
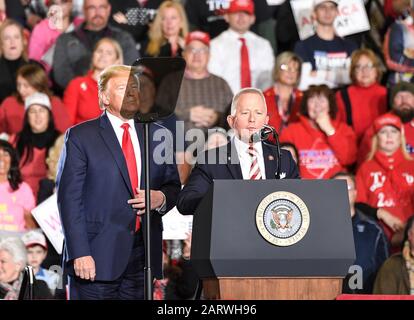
(157, 201)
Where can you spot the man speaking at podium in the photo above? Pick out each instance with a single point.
(101, 197)
(244, 157)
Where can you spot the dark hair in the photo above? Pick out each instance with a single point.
(344, 174)
(290, 145)
(316, 91)
(14, 177)
(407, 229)
(25, 139)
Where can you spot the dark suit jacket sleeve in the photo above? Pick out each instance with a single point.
(197, 186)
(71, 177)
(171, 187)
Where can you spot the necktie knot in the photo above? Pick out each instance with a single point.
(125, 126)
(243, 40)
(252, 151)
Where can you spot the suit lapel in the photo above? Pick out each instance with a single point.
(140, 132)
(233, 163)
(109, 136)
(270, 161)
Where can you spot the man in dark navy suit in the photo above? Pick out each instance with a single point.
(101, 198)
(240, 158)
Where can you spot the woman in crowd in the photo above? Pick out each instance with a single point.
(45, 33)
(35, 139)
(168, 31)
(31, 78)
(326, 145)
(16, 197)
(396, 275)
(81, 95)
(365, 99)
(386, 179)
(13, 259)
(13, 55)
(283, 99)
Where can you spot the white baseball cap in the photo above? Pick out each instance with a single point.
(33, 238)
(318, 2)
(37, 98)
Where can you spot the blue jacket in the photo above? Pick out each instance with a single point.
(371, 248)
(227, 167)
(93, 190)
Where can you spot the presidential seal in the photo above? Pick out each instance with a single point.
(282, 218)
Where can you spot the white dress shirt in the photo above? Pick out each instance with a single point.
(116, 125)
(225, 59)
(246, 160)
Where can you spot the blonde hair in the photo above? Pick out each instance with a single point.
(108, 73)
(155, 33)
(374, 147)
(115, 44)
(285, 58)
(53, 157)
(10, 22)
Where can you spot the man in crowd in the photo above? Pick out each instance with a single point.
(371, 246)
(326, 56)
(73, 53)
(238, 55)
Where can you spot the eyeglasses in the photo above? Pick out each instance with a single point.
(363, 67)
(285, 67)
(195, 50)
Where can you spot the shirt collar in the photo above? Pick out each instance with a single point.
(237, 35)
(117, 122)
(242, 147)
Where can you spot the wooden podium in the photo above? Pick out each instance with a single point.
(272, 288)
(235, 262)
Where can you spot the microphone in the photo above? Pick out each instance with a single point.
(262, 134)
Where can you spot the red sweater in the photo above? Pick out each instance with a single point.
(320, 156)
(275, 119)
(366, 105)
(387, 182)
(365, 145)
(12, 115)
(81, 99)
(35, 170)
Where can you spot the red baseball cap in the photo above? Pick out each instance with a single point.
(387, 119)
(241, 5)
(199, 36)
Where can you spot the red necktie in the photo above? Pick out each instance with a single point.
(129, 154)
(245, 80)
(254, 167)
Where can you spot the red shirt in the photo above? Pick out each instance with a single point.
(366, 105)
(275, 120)
(320, 156)
(81, 99)
(12, 115)
(387, 182)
